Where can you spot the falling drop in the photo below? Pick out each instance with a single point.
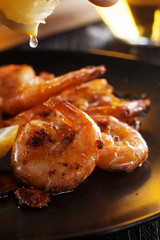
(33, 43)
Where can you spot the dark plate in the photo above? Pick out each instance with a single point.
(105, 202)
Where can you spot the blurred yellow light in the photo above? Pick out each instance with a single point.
(156, 26)
(120, 20)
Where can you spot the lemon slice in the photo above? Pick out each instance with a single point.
(7, 138)
(25, 15)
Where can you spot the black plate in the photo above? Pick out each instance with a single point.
(105, 202)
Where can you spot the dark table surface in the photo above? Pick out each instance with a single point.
(98, 36)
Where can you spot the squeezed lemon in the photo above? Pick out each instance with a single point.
(7, 138)
(25, 15)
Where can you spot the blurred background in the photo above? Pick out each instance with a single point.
(130, 27)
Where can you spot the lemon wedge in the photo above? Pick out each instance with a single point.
(7, 138)
(25, 15)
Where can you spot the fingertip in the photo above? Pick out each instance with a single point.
(104, 3)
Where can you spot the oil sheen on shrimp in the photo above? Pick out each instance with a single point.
(96, 98)
(20, 88)
(124, 148)
(57, 157)
(90, 94)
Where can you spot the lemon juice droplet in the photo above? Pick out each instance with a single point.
(33, 43)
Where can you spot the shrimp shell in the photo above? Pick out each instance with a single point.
(20, 89)
(57, 157)
(124, 148)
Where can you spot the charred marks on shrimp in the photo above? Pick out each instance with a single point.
(75, 166)
(32, 197)
(105, 127)
(65, 164)
(44, 114)
(100, 144)
(78, 165)
(103, 124)
(51, 173)
(39, 138)
(71, 166)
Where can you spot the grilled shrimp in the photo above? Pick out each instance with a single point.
(21, 89)
(57, 157)
(122, 110)
(91, 94)
(42, 112)
(96, 98)
(124, 148)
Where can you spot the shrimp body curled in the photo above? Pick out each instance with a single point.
(57, 156)
(21, 89)
(124, 148)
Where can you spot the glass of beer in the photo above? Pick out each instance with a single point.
(134, 21)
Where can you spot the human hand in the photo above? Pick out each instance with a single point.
(103, 3)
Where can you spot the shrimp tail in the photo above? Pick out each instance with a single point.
(135, 107)
(122, 110)
(73, 115)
